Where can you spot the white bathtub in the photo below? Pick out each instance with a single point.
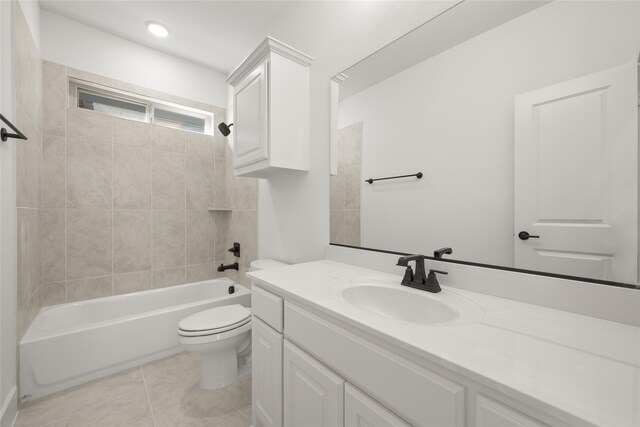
(72, 343)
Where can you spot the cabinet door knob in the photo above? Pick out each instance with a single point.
(523, 235)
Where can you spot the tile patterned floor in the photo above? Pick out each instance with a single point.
(163, 393)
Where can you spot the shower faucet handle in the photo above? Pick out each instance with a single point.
(235, 250)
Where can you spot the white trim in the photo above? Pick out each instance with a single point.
(9, 409)
(266, 47)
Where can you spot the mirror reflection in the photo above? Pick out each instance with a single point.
(522, 118)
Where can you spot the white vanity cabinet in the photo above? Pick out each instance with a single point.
(271, 111)
(311, 371)
(313, 394)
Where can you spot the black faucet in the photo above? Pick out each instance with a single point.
(442, 251)
(419, 280)
(233, 266)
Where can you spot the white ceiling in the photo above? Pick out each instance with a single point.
(216, 34)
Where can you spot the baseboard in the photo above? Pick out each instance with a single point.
(9, 409)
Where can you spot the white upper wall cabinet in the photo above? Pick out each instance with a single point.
(271, 111)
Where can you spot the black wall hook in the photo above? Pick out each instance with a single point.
(4, 135)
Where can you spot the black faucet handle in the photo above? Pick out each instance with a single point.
(403, 261)
(437, 254)
(437, 271)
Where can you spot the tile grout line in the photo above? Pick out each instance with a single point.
(146, 390)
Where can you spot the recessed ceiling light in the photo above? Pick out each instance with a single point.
(157, 29)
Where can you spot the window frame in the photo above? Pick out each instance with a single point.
(77, 85)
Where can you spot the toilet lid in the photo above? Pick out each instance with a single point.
(215, 318)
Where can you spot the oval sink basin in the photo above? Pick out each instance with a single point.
(387, 298)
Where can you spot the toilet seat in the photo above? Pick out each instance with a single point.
(214, 321)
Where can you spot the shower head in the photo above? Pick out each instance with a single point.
(224, 128)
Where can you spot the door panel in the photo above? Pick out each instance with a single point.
(250, 118)
(313, 394)
(490, 413)
(362, 411)
(266, 375)
(576, 179)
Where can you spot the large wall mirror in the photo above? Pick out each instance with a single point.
(521, 118)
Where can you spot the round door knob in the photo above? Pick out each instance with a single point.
(523, 235)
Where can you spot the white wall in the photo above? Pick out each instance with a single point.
(451, 117)
(31, 12)
(79, 46)
(293, 213)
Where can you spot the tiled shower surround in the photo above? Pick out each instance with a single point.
(128, 206)
(346, 187)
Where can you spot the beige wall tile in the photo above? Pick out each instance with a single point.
(28, 259)
(89, 174)
(222, 192)
(200, 272)
(168, 237)
(53, 172)
(132, 282)
(90, 77)
(89, 252)
(221, 223)
(168, 139)
(350, 145)
(337, 191)
(249, 237)
(200, 168)
(54, 98)
(54, 258)
(352, 187)
(22, 172)
(89, 125)
(54, 293)
(168, 180)
(352, 227)
(131, 177)
(168, 277)
(83, 289)
(131, 132)
(246, 193)
(200, 236)
(336, 226)
(131, 240)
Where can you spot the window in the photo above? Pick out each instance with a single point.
(90, 96)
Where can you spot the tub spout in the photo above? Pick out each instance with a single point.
(233, 266)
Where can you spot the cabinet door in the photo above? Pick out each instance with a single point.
(266, 375)
(313, 394)
(250, 103)
(362, 411)
(490, 413)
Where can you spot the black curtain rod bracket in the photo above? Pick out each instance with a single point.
(4, 135)
(371, 180)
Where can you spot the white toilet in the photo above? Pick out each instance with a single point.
(222, 336)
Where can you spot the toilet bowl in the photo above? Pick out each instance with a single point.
(222, 336)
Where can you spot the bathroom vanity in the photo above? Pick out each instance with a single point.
(335, 344)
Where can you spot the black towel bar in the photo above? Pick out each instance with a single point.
(371, 180)
(4, 135)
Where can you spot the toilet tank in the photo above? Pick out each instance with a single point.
(264, 264)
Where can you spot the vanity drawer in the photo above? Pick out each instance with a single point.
(420, 396)
(267, 306)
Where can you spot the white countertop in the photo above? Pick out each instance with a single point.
(581, 366)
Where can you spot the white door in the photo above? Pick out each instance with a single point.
(266, 375)
(576, 177)
(250, 139)
(362, 411)
(313, 394)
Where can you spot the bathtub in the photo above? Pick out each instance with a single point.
(69, 344)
